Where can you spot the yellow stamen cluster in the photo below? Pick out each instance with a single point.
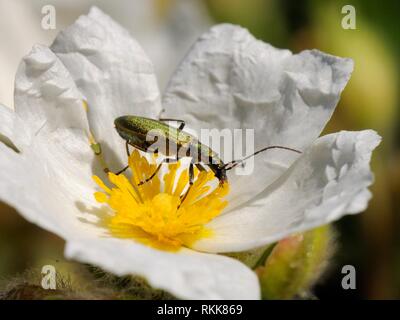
(153, 213)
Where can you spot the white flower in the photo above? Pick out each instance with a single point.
(228, 80)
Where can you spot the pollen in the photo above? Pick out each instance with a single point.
(153, 213)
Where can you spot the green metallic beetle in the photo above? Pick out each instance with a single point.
(146, 134)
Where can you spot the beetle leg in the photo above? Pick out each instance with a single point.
(128, 153)
(166, 160)
(151, 177)
(191, 178)
(122, 170)
(182, 122)
(200, 167)
(127, 149)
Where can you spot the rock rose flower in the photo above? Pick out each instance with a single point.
(66, 99)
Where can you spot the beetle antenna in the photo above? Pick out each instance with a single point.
(234, 163)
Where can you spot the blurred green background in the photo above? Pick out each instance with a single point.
(166, 28)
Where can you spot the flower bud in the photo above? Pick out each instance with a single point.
(295, 264)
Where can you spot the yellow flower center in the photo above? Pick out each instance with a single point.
(153, 213)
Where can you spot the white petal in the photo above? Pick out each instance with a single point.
(7, 121)
(113, 73)
(50, 182)
(327, 182)
(50, 129)
(12, 131)
(231, 80)
(186, 274)
(46, 97)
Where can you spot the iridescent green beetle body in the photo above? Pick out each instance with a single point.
(141, 133)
